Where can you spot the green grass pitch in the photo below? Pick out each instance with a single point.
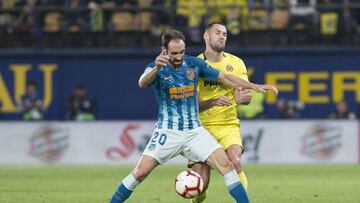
(267, 184)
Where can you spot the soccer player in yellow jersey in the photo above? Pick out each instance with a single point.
(217, 103)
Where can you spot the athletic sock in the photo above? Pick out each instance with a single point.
(125, 189)
(243, 179)
(235, 187)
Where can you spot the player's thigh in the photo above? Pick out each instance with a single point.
(229, 135)
(199, 145)
(164, 144)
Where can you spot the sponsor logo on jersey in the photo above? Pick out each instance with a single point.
(209, 83)
(181, 92)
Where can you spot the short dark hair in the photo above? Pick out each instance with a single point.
(171, 35)
(209, 26)
(32, 83)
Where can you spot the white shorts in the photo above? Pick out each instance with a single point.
(196, 145)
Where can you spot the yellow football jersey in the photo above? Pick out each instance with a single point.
(221, 115)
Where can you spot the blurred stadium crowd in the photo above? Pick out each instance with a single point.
(133, 23)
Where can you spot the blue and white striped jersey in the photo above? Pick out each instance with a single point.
(176, 93)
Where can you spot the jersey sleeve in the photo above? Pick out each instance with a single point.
(207, 72)
(148, 67)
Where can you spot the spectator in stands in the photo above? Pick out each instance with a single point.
(288, 109)
(7, 18)
(193, 11)
(96, 18)
(342, 111)
(79, 106)
(123, 20)
(102, 10)
(259, 19)
(236, 15)
(28, 18)
(31, 105)
(279, 19)
(329, 20)
(303, 16)
(75, 18)
(142, 21)
(352, 16)
(6, 22)
(162, 15)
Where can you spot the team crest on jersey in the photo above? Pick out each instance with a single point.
(190, 74)
(229, 68)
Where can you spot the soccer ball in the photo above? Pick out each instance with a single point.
(188, 184)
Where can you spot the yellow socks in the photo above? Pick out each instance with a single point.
(243, 179)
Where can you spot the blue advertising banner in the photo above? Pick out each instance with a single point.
(316, 77)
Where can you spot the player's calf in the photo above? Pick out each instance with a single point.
(219, 160)
(204, 171)
(236, 163)
(234, 153)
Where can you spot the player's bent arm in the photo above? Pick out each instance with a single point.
(148, 76)
(205, 105)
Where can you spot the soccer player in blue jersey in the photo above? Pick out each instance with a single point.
(174, 76)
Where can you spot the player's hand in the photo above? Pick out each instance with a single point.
(162, 59)
(221, 101)
(242, 96)
(265, 88)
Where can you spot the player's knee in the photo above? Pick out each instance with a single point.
(221, 162)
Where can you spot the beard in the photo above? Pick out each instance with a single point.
(217, 47)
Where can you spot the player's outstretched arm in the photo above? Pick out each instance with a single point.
(234, 81)
(149, 75)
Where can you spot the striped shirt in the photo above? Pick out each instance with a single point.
(176, 93)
